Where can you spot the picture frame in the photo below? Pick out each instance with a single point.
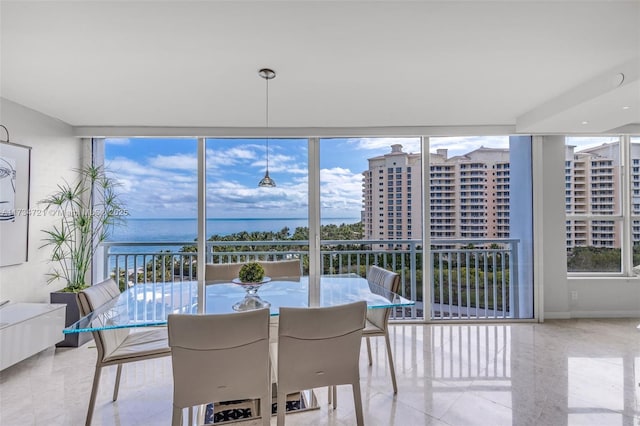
(15, 176)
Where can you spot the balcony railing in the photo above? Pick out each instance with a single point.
(469, 278)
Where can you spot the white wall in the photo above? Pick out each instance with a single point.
(596, 297)
(605, 297)
(55, 152)
(552, 253)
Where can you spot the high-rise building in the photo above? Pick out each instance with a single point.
(593, 187)
(392, 197)
(469, 195)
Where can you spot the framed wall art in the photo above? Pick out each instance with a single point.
(15, 170)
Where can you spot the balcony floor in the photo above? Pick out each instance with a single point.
(557, 373)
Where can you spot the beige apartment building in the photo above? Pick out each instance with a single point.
(469, 195)
(593, 187)
(392, 197)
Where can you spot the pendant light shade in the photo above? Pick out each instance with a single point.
(266, 181)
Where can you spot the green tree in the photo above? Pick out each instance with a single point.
(589, 259)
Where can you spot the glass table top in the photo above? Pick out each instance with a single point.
(145, 305)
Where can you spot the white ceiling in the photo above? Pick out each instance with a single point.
(535, 66)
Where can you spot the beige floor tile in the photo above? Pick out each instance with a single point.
(570, 372)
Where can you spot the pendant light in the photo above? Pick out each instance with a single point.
(267, 74)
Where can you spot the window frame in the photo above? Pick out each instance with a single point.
(624, 217)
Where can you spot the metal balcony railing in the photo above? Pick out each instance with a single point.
(468, 278)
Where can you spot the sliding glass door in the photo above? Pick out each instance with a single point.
(481, 228)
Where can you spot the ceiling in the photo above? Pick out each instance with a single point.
(533, 67)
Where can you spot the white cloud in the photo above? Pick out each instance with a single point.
(160, 191)
(282, 163)
(586, 142)
(150, 191)
(455, 145)
(340, 192)
(166, 185)
(220, 158)
(175, 162)
(121, 166)
(460, 145)
(408, 144)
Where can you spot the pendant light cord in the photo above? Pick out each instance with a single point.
(267, 121)
(267, 74)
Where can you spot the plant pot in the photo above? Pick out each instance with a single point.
(72, 315)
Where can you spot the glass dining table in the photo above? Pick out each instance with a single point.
(147, 305)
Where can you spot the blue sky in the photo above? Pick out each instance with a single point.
(159, 179)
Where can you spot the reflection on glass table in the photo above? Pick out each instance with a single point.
(145, 305)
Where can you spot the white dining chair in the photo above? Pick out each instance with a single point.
(221, 273)
(117, 346)
(378, 319)
(282, 269)
(222, 357)
(319, 347)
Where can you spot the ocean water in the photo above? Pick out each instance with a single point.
(185, 230)
(137, 230)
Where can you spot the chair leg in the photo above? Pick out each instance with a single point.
(94, 392)
(282, 407)
(391, 366)
(357, 399)
(334, 393)
(369, 351)
(265, 410)
(200, 414)
(117, 385)
(176, 416)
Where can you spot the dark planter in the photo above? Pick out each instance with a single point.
(73, 314)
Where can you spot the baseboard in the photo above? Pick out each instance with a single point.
(557, 315)
(591, 314)
(605, 314)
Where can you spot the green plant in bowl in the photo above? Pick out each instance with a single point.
(251, 272)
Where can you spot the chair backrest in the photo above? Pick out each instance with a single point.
(389, 280)
(319, 346)
(282, 269)
(221, 357)
(93, 298)
(221, 273)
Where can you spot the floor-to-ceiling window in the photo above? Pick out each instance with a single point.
(158, 178)
(480, 227)
(248, 221)
(370, 207)
(371, 210)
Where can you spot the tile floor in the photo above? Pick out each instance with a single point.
(569, 372)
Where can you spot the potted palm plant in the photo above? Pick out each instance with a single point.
(87, 211)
